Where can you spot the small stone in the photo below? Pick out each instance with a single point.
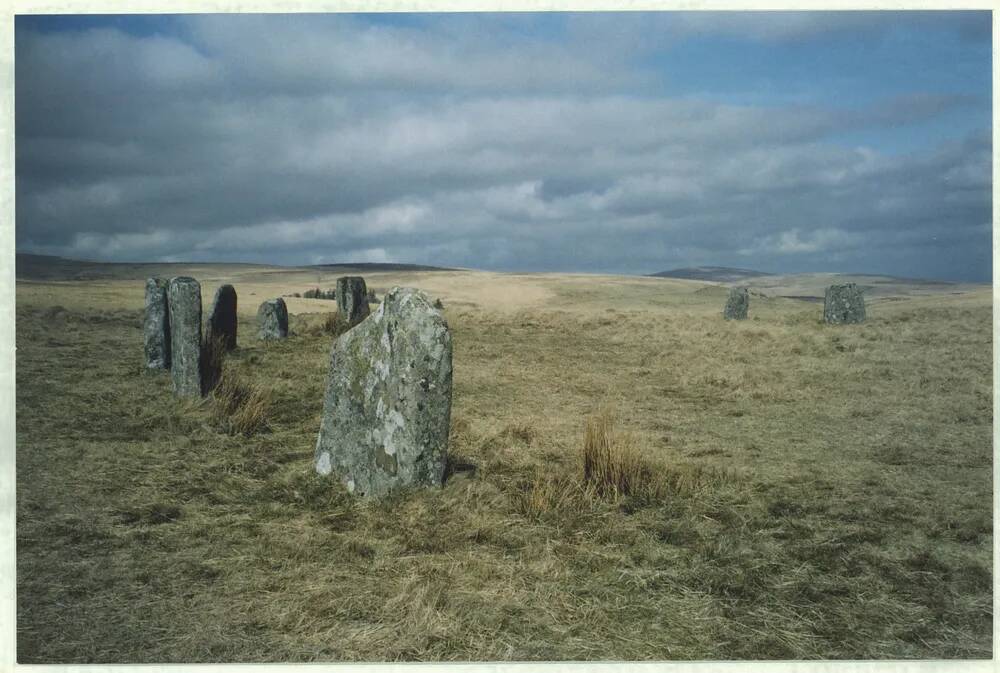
(272, 319)
(352, 298)
(387, 408)
(156, 327)
(844, 304)
(222, 319)
(184, 302)
(737, 304)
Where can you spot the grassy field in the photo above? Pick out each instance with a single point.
(821, 492)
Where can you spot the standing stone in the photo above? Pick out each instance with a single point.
(844, 304)
(184, 301)
(388, 399)
(352, 298)
(737, 304)
(156, 328)
(222, 319)
(272, 319)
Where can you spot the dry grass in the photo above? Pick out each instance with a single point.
(336, 324)
(320, 324)
(240, 407)
(613, 465)
(823, 492)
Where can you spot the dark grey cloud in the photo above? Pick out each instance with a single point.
(310, 140)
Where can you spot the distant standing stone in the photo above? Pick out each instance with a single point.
(156, 327)
(222, 319)
(844, 304)
(352, 298)
(184, 301)
(272, 319)
(737, 304)
(388, 399)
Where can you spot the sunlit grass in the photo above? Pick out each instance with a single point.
(646, 482)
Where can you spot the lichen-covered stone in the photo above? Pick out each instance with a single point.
(156, 326)
(844, 304)
(352, 298)
(184, 302)
(737, 304)
(272, 319)
(222, 319)
(388, 399)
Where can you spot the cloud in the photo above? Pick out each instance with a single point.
(794, 241)
(317, 139)
(772, 26)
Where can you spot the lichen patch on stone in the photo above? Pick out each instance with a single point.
(323, 465)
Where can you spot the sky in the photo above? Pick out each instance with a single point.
(613, 142)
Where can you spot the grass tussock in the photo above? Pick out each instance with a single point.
(321, 325)
(613, 465)
(336, 324)
(241, 407)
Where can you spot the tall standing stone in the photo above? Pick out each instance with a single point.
(844, 304)
(737, 304)
(156, 327)
(184, 301)
(222, 319)
(388, 399)
(272, 319)
(352, 298)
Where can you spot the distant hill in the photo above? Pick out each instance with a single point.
(717, 274)
(49, 267)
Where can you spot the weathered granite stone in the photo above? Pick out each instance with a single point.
(737, 304)
(222, 319)
(272, 319)
(844, 304)
(184, 301)
(352, 298)
(156, 327)
(388, 399)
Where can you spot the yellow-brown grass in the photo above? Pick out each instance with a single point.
(241, 407)
(321, 324)
(821, 492)
(548, 493)
(611, 462)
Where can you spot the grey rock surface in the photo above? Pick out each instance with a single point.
(737, 304)
(844, 304)
(156, 326)
(272, 319)
(352, 298)
(387, 408)
(184, 302)
(222, 318)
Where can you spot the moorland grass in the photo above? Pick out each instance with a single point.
(819, 492)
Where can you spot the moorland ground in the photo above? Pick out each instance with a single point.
(823, 492)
